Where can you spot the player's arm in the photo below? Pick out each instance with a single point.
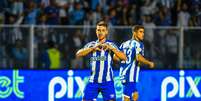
(143, 60)
(115, 58)
(85, 51)
(118, 55)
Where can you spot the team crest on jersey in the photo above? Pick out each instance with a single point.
(138, 49)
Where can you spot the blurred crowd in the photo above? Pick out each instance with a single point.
(88, 12)
(55, 47)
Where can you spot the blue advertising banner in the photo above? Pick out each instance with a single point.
(63, 85)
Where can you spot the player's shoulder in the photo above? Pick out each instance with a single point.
(138, 43)
(111, 42)
(90, 44)
(141, 44)
(126, 43)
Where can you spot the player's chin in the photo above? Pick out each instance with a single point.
(101, 37)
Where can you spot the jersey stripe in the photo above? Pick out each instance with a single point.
(135, 71)
(102, 64)
(108, 78)
(137, 74)
(93, 68)
(132, 72)
(97, 68)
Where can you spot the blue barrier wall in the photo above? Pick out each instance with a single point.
(62, 85)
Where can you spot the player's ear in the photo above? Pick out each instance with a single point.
(134, 33)
(107, 32)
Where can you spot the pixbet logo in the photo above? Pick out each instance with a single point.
(6, 88)
(179, 87)
(66, 87)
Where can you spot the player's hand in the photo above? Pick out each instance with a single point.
(151, 64)
(107, 47)
(97, 47)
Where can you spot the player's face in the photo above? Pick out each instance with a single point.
(101, 32)
(140, 34)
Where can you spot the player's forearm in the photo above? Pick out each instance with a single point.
(83, 52)
(141, 59)
(115, 58)
(120, 55)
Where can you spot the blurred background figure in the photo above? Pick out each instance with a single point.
(20, 55)
(76, 44)
(51, 57)
(171, 49)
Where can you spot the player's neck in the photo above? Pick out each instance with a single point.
(102, 40)
(135, 38)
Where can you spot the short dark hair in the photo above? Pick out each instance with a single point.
(51, 44)
(102, 23)
(135, 28)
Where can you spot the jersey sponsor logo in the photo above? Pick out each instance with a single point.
(98, 58)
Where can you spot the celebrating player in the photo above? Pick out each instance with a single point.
(100, 53)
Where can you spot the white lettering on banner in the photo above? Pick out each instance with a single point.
(70, 84)
(9, 85)
(66, 87)
(170, 80)
(59, 94)
(80, 83)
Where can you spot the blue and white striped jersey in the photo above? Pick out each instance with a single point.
(101, 63)
(129, 70)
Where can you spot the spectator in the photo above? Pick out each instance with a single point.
(97, 14)
(4, 5)
(193, 21)
(20, 55)
(77, 63)
(149, 34)
(183, 16)
(77, 15)
(112, 16)
(63, 6)
(73, 12)
(52, 14)
(3, 56)
(148, 8)
(171, 49)
(45, 3)
(32, 14)
(51, 57)
(17, 7)
(87, 23)
(163, 17)
(132, 17)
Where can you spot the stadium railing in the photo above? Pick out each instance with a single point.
(22, 46)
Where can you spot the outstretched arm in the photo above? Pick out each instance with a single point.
(143, 60)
